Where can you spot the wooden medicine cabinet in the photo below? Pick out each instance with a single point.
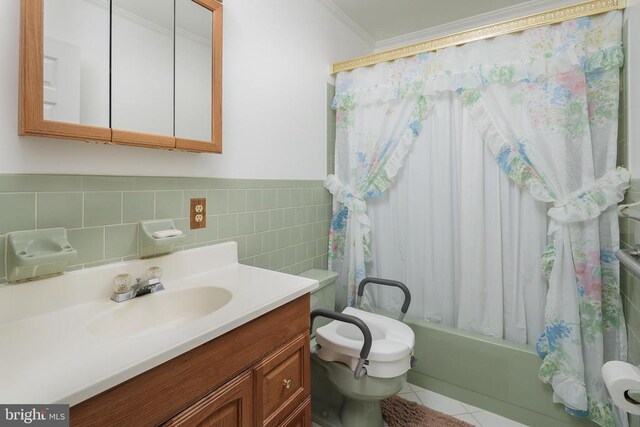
(144, 73)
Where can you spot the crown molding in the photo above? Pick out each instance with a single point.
(504, 14)
(553, 16)
(345, 19)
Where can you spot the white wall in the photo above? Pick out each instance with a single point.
(276, 65)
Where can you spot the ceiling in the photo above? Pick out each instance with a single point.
(383, 19)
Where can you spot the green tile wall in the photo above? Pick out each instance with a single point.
(331, 130)
(630, 286)
(629, 235)
(278, 224)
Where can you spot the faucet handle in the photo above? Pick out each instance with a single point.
(123, 283)
(153, 273)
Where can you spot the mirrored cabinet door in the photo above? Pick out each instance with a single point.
(64, 69)
(76, 62)
(142, 72)
(194, 58)
(198, 66)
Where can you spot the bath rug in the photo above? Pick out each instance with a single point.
(399, 412)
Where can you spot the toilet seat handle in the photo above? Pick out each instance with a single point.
(386, 282)
(366, 347)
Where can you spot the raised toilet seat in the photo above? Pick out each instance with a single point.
(391, 347)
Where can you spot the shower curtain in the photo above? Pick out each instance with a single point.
(542, 105)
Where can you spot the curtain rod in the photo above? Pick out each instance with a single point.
(588, 8)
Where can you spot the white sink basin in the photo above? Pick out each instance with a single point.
(158, 310)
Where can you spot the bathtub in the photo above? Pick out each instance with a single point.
(490, 373)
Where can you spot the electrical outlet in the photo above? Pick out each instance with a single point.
(198, 213)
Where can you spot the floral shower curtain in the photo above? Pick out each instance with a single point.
(545, 102)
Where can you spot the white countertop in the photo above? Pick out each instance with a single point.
(48, 355)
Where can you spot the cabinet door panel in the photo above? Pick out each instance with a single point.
(229, 406)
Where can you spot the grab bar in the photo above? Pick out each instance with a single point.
(385, 282)
(366, 347)
(629, 258)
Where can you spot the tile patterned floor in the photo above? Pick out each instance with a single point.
(471, 414)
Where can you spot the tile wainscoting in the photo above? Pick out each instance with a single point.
(281, 225)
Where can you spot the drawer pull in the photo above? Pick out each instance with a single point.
(286, 384)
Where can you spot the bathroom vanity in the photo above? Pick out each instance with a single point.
(224, 344)
(255, 375)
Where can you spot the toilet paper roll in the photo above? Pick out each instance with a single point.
(620, 377)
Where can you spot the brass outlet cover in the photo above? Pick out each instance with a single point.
(198, 214)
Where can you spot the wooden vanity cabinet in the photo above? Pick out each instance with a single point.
(231, 405)
(255, 375)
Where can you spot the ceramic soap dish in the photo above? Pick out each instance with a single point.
(35, 254)
(158, 237)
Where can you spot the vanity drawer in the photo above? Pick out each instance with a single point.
(282, 382)
(301, 417)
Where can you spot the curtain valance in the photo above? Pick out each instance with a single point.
(589, 44)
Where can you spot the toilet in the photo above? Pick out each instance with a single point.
(346, 388)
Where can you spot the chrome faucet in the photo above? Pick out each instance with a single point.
(125, 290)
